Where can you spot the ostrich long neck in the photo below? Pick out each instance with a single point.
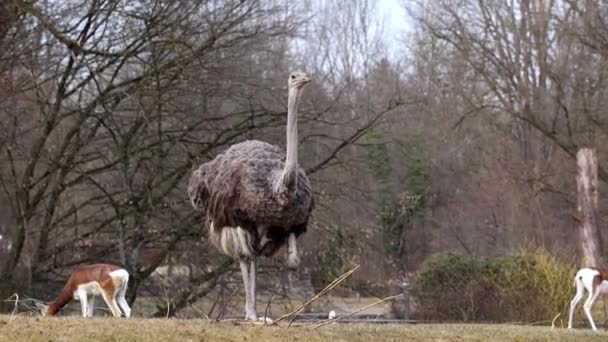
(288, 179)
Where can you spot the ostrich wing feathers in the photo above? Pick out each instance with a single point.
(237, 189)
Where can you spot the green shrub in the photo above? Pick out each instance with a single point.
(398, 207)
(334, 260)
(532, 286)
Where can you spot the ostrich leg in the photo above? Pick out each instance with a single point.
(249, 313)
(253, 295)
(252, 288)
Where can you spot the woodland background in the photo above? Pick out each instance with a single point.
(459, 135)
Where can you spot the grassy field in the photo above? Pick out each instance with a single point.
(16, 328)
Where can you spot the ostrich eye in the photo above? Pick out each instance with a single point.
(293, 77)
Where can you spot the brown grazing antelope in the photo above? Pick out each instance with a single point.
(595, 282)
(88, 281)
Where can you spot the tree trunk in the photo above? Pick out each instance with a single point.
(586, 182)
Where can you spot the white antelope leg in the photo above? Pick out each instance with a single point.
(122, 302)
(588, 304)
(90, 306)
(82, 296)
(580, 291)
(111, 302)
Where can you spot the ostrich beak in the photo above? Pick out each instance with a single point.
(303, 81)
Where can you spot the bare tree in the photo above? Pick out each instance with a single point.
(519, 84)
(106, 106)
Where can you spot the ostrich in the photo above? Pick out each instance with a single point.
(256, 199)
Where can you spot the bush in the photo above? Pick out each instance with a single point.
(334, 260)
(532, 286)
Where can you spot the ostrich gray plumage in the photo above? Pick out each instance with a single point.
(256, 198)
(237, 189)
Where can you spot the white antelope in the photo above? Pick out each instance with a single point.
(595, 281)
(88, 281)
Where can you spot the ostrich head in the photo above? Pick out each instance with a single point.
(297, 80)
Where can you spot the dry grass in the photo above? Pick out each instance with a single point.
(16, 328)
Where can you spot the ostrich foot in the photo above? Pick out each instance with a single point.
(261, 321)
(253, 317)
(265, 320)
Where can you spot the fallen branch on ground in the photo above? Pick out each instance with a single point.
(334, 320)
(328, 288)
(36, 305)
